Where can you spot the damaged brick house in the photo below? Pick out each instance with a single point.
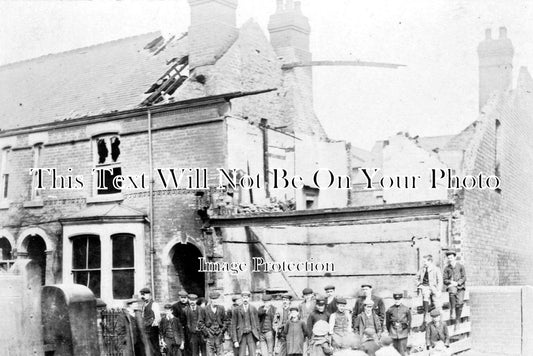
(215, 97)
(492, 229)
(382, 235)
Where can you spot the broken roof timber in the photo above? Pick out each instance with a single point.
(117, 115)
(341, 63)
(420, 209)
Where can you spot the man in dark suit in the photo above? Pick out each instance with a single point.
(245, 326)
(196, 339)
(454, 278)
(171, 331)
(267, 315)
(212, 322)
(178, 309)
(236, 301)
(331, 300)
(359, 307)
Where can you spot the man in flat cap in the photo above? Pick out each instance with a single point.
(178, 309)
(331, 301)
(245, 326)
(429, 281)
(171, 332)
(399, 323)
(455, 279)
(282, 316)
(151, 315)
(368, 319)
(340, 323)
(304, 309)
(436, 330)
(267, 315)
(320, 312)
(367, 295)
(195, 337)
(213, 324)
(236, 301)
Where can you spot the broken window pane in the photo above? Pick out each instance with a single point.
(102, 150)
(115, 150)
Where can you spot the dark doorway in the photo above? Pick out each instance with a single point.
(186, 265)
(37, 251)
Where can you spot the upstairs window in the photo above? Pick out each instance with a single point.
(35, 194)
(86, 262)
(4, 173)
(107, 163)
(123, 266)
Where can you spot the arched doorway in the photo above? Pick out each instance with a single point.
(36, 248)
(185, 265)
(6, 255)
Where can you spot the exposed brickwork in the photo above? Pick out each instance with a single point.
(497, 239)
(498, 332)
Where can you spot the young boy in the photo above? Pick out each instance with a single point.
(294, 333)
(340, 323)
(171, 331)
(436, 331)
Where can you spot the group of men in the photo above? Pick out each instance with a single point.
(190, 327)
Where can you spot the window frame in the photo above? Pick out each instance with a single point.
(4, 173)
(88, 270)
(117, 269)
(108, 163)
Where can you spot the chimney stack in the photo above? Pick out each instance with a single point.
(289, 31)
(212, 31)
(495, 65)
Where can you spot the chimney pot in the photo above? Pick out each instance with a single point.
(503, 32)
(488, 34)
(298, 6)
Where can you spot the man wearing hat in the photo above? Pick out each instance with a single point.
(436, 330)
(320, 312)
(399, 323)
(455, 279)
(178, 309)
(151, 316)
(245, 326)
(192, 315)
(236, 301)
(305, 308)
(340, 323)
(171, 332)
(294, 333)
(331, 301)
(359, 307)
(282, 316)
(213, 323)
(368, 319)
(267, 314)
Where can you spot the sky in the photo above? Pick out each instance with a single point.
(435, 94)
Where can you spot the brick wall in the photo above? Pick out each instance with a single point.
(499, 320)
(497, 237)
